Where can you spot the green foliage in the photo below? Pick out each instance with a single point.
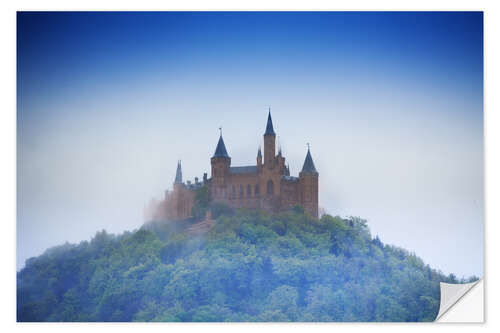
(251, 266)
(218, 209)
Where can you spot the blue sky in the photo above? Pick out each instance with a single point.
(392, 104)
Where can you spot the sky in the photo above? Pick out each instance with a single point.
(391, 104)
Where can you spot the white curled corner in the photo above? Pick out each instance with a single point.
(461, 302)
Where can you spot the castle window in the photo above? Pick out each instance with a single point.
(241, 191)
(234, 191)
(249, 191)
(270, 187)
(257, 190)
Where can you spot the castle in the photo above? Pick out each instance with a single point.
(267, 185)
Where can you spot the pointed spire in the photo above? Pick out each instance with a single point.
(259, 153)
(269, 126)
(309, 164)
(178, 173)
(220, 150)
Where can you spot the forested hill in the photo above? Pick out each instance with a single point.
(250, 266)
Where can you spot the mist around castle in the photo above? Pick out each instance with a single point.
(222, 250)
(247, 166)
(240, 186)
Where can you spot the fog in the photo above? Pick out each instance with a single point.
(399, 143)
(418, 181)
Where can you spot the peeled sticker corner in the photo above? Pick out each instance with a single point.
(461, 302)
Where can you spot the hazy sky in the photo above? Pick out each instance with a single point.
(391, 103)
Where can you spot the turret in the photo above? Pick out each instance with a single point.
(308, 167)
(269, 143)
(280, 160)
(308, 179)
(178, 175)
(220, 169)
(259, 157)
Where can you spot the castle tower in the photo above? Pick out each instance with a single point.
(308, 179)
(220, 170)
(269, 143)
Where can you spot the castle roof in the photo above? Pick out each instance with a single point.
(243, 169)
(220, 150)
(178, 174)
(290, 178)
(269, 126)
(309, 164)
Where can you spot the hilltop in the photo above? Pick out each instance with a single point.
(248, 266)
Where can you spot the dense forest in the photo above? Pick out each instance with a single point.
(250, 266)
